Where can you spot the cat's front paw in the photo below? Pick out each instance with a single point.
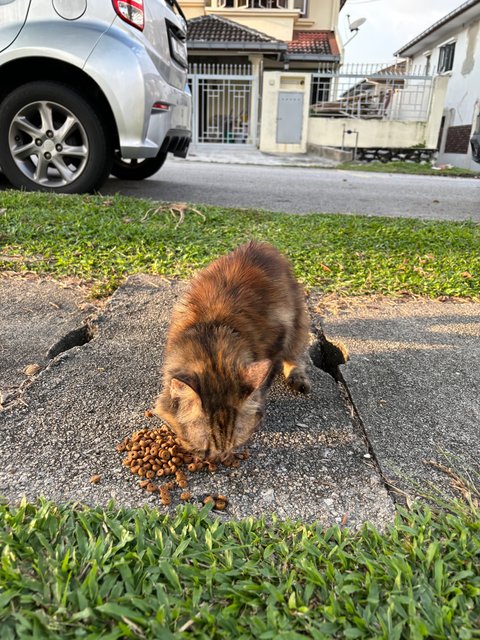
(299, 381)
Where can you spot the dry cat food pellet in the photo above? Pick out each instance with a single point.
(165, 496)
(220, 503)
(152, 454)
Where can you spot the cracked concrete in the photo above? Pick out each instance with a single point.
(35, 314)
(409, 389)
(413, 378)
(308, 462)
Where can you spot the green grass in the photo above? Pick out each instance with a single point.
(106, 573)
(408, 167)
(105, 239)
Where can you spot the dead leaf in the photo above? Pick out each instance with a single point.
(32, 369)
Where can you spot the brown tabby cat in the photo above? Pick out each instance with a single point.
(242, 317)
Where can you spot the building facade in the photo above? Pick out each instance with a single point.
(273, 34)
(451, 49)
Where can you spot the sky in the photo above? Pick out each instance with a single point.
(389, 25)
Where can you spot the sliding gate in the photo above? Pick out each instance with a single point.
(225, 104)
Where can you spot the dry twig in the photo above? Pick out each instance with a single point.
(175, 209)
(459, 484)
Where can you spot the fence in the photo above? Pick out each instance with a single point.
(225, 101)
(385, 92)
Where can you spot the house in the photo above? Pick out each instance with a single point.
(451, 49)
(232, 43)
(275, 34)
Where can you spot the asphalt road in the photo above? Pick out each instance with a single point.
(304, 190)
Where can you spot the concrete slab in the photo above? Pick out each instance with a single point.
(235, 154)
(307, 463)
(414, 378)
(35, 314)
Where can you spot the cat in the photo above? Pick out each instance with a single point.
(242, 317)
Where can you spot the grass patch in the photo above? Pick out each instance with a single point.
(408, 167)
(104, 239)
(107, 573)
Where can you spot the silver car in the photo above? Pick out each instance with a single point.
(89, 88)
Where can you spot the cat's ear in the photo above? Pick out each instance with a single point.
(257, 372)
(182, 390)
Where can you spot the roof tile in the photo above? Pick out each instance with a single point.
(214, 28)
(313, 42)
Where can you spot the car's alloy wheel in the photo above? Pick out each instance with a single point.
(51, 139)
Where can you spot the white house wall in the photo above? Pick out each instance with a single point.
(371, 133)
(462, 99)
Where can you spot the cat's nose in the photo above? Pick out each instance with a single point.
(211, 453)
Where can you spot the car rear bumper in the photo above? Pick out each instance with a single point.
(132, 88)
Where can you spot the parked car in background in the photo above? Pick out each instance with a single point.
(475, 145)
(89, 88)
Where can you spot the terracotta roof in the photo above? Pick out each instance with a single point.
(219, 33)
(314, 42)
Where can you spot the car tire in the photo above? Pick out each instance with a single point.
(51, 139)
(137, 169)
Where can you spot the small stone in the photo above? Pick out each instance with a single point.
(328, 502)
(267, 496)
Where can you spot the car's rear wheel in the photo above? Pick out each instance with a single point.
(51, 139)
(137, 169)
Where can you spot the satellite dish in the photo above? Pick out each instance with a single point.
(354, 26)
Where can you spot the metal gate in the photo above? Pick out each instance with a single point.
(225, 104)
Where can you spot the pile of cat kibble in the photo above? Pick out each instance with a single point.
(155, 454)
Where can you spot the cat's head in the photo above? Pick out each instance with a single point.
(211, 414)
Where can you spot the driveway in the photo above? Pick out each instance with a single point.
(304, 189)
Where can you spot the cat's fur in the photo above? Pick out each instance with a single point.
(241, 319)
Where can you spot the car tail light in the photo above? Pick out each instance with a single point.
(160, 106)
(131, 11)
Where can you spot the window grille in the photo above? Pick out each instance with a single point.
(301, 5)
(447, 54)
